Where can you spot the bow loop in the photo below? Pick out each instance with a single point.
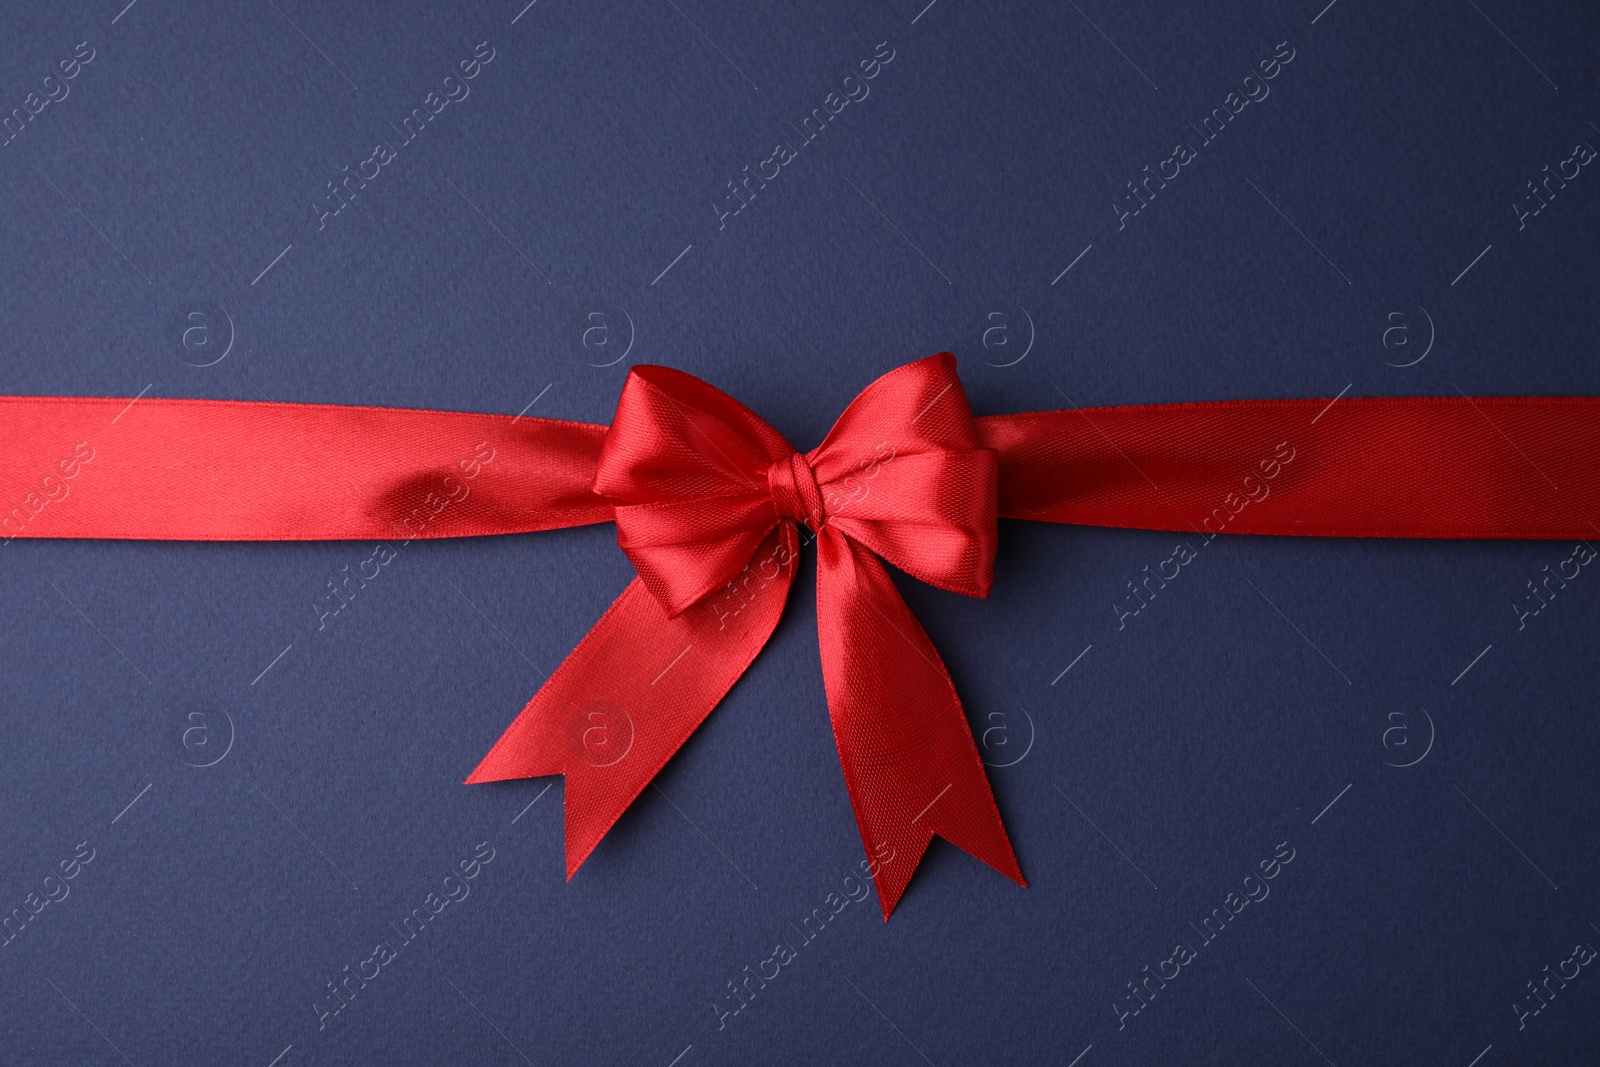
(676, 437)
(903, 472)
(686, 467)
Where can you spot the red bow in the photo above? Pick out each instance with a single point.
(707, 497)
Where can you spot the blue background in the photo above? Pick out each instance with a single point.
(1143, 784)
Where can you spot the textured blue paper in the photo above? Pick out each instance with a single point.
(263, 803)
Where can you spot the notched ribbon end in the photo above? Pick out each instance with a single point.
(997, 855)
(580, 840)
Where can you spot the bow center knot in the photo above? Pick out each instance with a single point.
(795, 493)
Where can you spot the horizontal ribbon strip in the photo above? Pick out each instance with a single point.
(1524, 467)
(243, 470)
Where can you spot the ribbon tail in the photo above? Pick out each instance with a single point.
(635, 688)
(909, 760)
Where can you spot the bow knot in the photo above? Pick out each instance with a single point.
(795, 492)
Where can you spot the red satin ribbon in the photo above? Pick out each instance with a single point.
(706, 497)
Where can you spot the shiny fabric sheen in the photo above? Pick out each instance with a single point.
(707, 497)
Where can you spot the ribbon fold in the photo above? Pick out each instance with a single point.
(708, 500)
